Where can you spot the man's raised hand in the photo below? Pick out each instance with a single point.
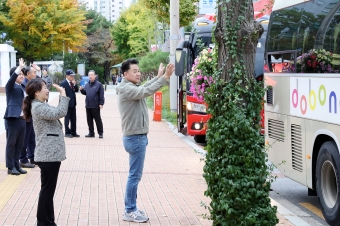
(36, 67)
(160, 70)
(22, 63)
(170, 68)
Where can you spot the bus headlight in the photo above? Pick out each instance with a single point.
(197, 126)
(196, 107)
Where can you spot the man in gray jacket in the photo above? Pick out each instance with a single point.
(47, 78)
(135, 125)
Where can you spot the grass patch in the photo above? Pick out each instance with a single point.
(167, 114)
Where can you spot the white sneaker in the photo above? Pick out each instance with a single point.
(140, 211)
(135, 216)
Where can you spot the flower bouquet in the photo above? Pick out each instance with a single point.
(201, 73)
(316, 61)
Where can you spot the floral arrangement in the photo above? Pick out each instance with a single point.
(316, 61)
(201, 73)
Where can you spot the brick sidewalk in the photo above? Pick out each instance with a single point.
(91, 182)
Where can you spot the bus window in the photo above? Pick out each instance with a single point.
(281, 62)
(319, 27)
(284, 28)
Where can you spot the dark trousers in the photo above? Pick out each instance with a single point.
(71, 118)
(27, 151)
(15, 134)
(94, 113)
(48, 175)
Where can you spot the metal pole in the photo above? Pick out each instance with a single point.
(174, 40)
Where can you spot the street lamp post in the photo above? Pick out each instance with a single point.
(174, 39)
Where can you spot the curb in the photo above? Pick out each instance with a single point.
(291, 217)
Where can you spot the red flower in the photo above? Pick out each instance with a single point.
(314, 64)
(309, 63)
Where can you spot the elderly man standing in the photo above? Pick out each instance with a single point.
(135, 125)
(94, 102)
(27, 153)
(71, 87)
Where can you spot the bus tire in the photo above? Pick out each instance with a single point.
(327, 182)
(199, 138)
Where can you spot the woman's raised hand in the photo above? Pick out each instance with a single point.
(60, 89)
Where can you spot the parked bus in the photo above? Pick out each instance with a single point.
(192, 115)
(302, 123)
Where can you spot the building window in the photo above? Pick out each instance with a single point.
(120, 2)
(112, 10)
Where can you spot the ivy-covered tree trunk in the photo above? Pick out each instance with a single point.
(236, 171)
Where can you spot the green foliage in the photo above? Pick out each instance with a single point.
(167, 114)
(187, 10)
(57, 77)
(4, 9)
(96, 21)
(236, 172)
(99, 49)
(150, 62)
(70, 62)
(133, 33)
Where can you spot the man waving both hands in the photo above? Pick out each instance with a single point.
(135, 125)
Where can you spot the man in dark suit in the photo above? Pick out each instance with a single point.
(15, 125)
(71, 87)
(27, 153)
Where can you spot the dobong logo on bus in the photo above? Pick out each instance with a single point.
(315, 98)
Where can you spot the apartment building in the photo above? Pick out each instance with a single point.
(110, 9)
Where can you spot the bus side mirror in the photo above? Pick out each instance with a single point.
(179, 62)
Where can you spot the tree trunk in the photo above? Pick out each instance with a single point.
(235, 168)
(248, 28)
(106, 71)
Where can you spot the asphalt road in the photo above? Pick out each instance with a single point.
(294, 197)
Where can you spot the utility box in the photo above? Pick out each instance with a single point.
(157, 106)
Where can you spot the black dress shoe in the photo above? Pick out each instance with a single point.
(68, 135)
(27, 165)
(75, 135)
(13, 172)
(22, 171)
(100, 135)
(89, 135)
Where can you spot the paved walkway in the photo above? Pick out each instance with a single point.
(91, 182)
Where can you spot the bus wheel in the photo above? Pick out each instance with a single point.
(327, 182)
(199, 138)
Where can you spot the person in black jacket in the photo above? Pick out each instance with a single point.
(94, 102)
(15, 124)
(71, 87)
